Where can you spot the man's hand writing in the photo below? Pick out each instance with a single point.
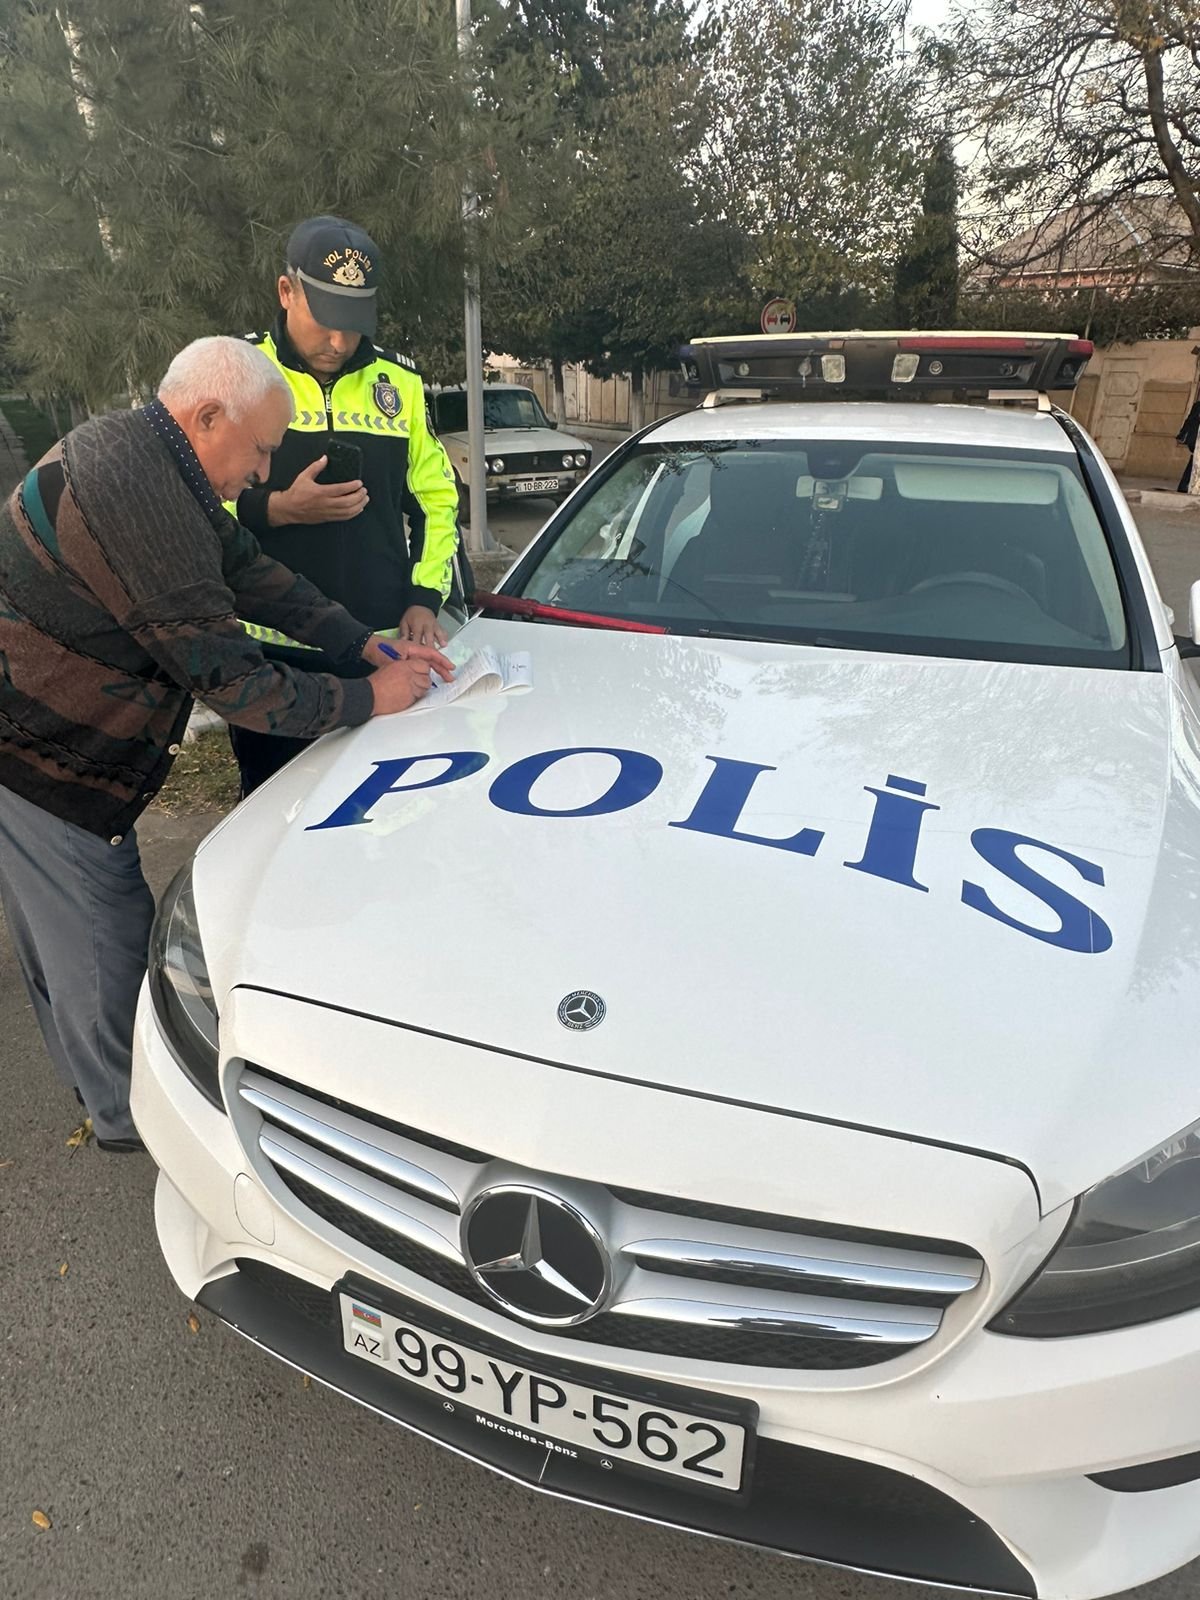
(379, 652)
(307, 501)
(398, 685)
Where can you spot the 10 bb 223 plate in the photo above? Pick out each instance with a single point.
(566, 1416)
(535, 486)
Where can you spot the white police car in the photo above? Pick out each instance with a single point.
(788, 1131)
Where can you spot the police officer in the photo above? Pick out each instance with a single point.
(337, 514)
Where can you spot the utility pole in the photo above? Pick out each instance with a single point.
(478, 539)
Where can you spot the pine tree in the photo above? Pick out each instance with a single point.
(613, 271)
(118, 234)
(927, 271)
(155, 154)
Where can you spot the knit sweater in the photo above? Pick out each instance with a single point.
(120, 595)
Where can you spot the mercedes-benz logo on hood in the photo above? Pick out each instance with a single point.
(581, 1009)
(536, 1255)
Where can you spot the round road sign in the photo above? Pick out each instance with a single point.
(779, 316)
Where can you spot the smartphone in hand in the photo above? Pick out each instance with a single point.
(344, 464)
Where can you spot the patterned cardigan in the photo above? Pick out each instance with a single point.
(119, 602)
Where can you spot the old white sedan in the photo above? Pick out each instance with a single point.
(526, 456)
(786, 1128)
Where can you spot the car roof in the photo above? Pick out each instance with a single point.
(906, 422)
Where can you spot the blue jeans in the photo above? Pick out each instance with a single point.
(79, 913)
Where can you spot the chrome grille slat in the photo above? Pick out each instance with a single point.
(358, 1190)
(345, 1135)
(782, 1314)
(741, 1286)
(816, 1261)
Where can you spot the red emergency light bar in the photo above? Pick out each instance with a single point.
(1016, 344)
(858, 364)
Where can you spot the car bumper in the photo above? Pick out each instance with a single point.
(973, 1470)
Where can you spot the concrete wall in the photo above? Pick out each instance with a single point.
(1132, 401)
(596, 402)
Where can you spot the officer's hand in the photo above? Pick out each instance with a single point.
(306, 500)
(378, 652)
(398, 685)
(421, 626)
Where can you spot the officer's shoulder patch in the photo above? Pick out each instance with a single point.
(395, 356)
(254, 338)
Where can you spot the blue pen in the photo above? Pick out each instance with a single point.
(392, 655)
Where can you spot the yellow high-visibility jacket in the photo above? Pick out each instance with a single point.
(377, 403)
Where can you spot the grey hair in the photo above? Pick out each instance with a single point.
(232, 372)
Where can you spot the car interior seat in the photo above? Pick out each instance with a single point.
(754, 535)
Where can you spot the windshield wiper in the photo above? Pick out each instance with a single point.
(513, 605)
(732, 631)
(752, 636)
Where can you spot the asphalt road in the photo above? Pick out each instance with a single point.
(189, 1465)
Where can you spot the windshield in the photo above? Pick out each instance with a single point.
(989, 553)
(502, 408)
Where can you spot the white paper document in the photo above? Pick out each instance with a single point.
(483, 673)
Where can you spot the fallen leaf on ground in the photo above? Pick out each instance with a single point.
(4, 1164)
(307, 1381)
(41, 1520)
(81, 1135)
(63, 1270)
(193, 1322)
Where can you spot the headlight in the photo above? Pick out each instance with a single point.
(180, 987)
(1130, 1254)
(581, 460)
(568, 461)
(496, 464)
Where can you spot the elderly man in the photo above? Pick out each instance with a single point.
(122, 580)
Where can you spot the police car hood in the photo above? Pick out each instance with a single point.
(1013, 969)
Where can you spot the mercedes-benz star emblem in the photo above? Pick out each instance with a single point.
(581, 1009)
(536, 1255)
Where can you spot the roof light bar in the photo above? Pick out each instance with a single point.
(961, 362)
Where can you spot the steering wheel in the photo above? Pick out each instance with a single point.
(987, 580)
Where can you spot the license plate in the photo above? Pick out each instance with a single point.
(536, 486)
(554, 1413)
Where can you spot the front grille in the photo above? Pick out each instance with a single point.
(538, 461)
(693, 1342)
(690, 1279)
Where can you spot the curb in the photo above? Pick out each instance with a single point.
(1164, 500)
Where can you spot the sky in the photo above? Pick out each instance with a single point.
(927, 13)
